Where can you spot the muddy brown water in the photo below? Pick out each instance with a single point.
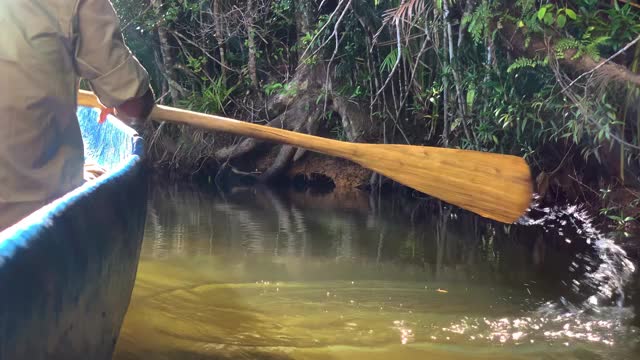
(256, 273)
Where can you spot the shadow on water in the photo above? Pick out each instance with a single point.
(265, 274)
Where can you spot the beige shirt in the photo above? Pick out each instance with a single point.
(45, 47)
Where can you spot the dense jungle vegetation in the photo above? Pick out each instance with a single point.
(557, 82)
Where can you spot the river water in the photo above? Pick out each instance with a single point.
(255, 273)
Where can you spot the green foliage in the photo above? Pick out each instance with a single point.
(622, 25)
(287, 89)
(619, 24)
(619, 213)
(212, 99)
(565, 44)
(585, 46)
(492, 97)
(551, 15)
(196, 64)
(471, 96)
(478, 22)
(271, 88)
(523, 63)
(389, 61)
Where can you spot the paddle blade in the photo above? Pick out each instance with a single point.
(495, 186)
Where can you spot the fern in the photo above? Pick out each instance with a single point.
(526, 5)
(585, 46)
(478, 22)
(593, 49)
(389, 61)
(523, 62)
(566, 44)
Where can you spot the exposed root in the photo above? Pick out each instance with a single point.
(354, 118)
(282, 161)
(298, 109)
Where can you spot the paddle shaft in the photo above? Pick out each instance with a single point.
(268, 133)
(242, 128)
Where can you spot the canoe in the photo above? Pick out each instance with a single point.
(67, 270)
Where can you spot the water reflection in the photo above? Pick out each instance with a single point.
(351, 227)
(256, 273)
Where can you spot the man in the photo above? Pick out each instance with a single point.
(45, 47)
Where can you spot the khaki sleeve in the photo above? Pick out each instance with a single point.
(102, 57)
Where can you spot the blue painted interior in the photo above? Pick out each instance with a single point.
(109, 144)
(67, 270)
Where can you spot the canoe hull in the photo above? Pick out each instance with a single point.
(68, 270)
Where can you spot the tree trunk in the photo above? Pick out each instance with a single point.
(169, 65)
(298, 108)
(305, 16)
(456, 78)
(219, 35)
(168, 60)
(253, 72)
(164, 85)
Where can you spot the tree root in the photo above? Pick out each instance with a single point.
(299, 110)
(283, 159)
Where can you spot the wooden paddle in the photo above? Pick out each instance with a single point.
(495, 186)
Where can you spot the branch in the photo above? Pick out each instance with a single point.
(614, 71)
(586, 112)
(204, 51)
(606, 61)
(395, 66)
(324, 27)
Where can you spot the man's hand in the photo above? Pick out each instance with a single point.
(137, 109)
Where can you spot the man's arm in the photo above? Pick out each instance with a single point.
(102, 57)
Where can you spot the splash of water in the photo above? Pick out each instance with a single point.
(607, 273)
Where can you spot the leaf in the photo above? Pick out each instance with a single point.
(561, 20)
(541, 13)
(471, 95)
(548, 19)
(571, 14)
(389, 61)
(520, 23)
